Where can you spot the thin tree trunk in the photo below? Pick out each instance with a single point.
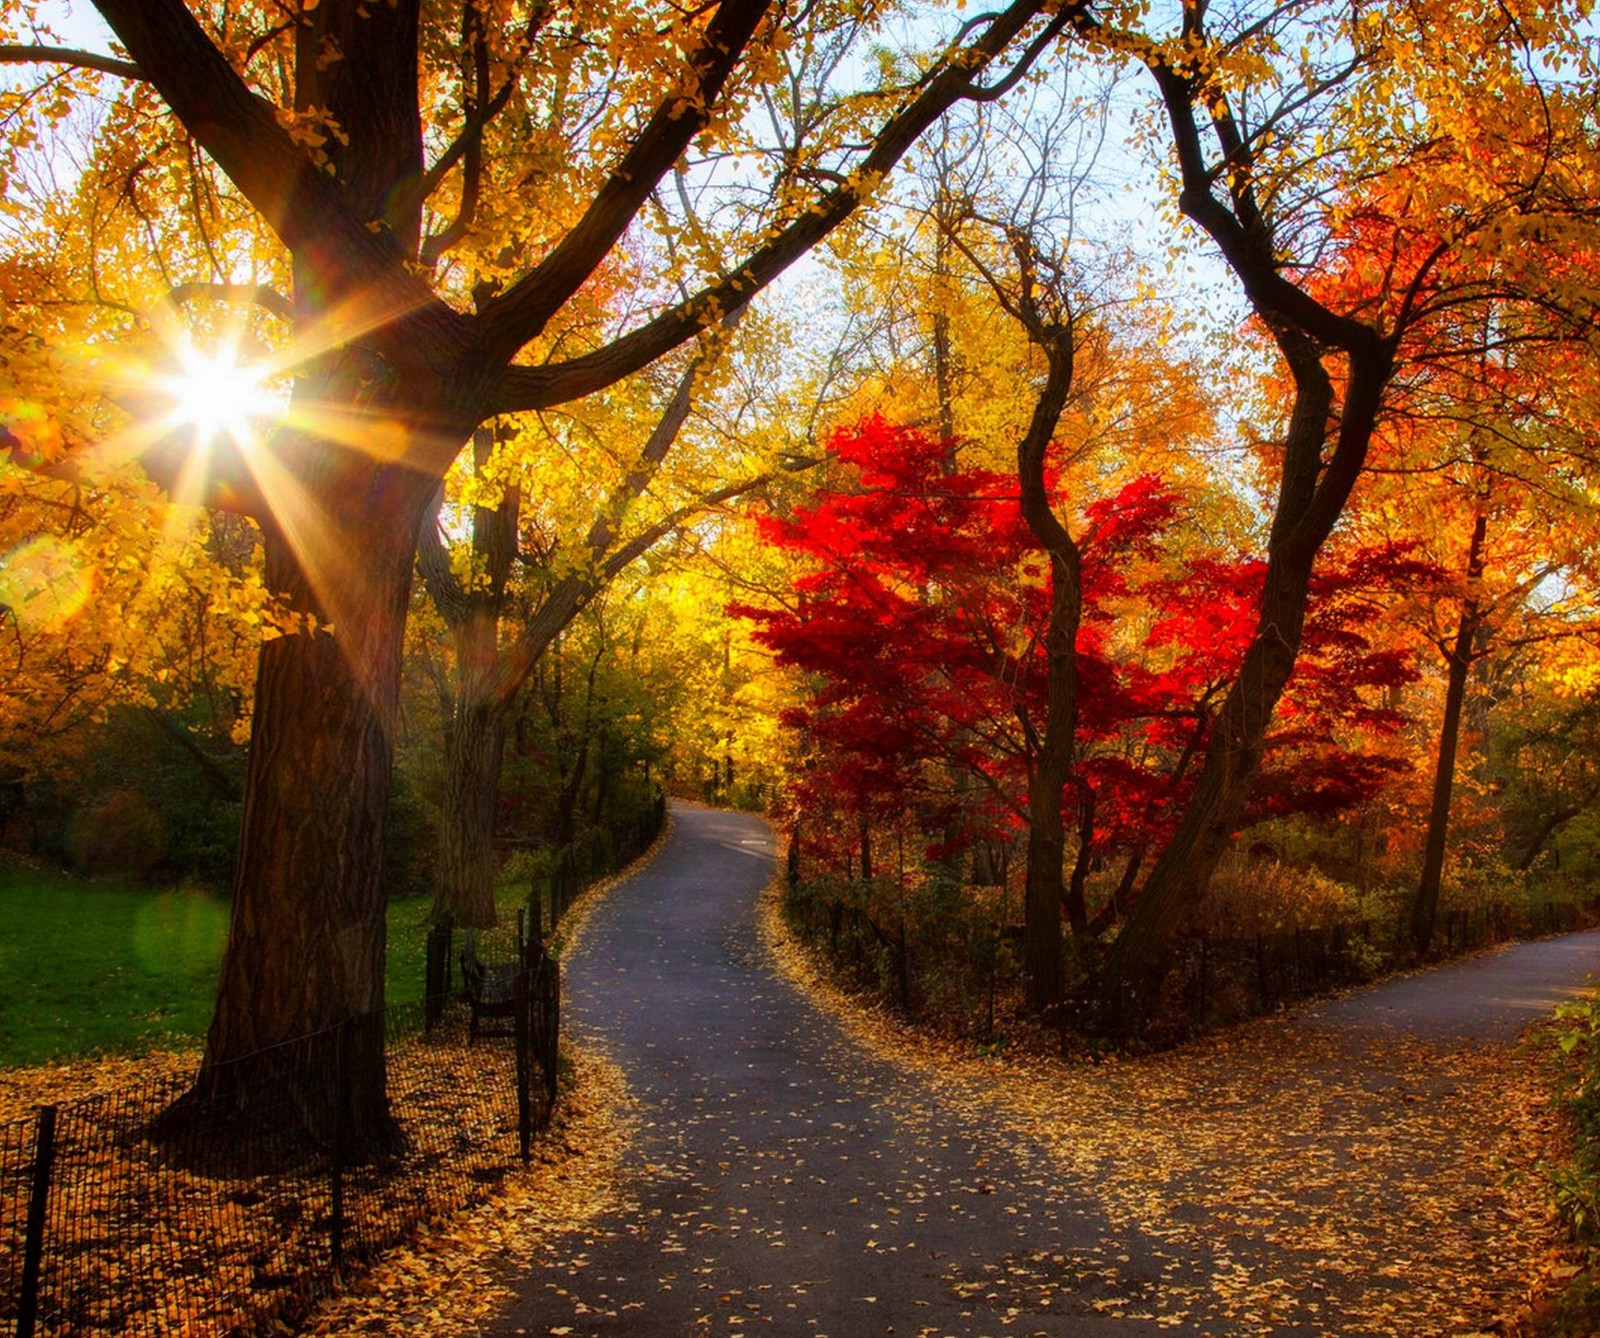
(1055, 754)
(468, 859)
(1425, 901)
(1077, 901)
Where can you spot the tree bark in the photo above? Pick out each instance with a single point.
(1055, 757)
(1425, 901)
(1138, 958)
(474, 747)
(305, 951)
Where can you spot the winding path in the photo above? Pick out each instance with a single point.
(789, 1179)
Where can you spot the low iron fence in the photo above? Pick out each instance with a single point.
(599, 855)
(959, 959)
(152, 1210)
(1218, 978)
(158, 1210)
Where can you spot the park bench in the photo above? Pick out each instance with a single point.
(491, 995)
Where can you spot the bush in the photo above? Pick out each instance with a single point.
(1573, 1181)
(1253, 895)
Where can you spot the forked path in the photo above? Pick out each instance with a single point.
(791, 1177)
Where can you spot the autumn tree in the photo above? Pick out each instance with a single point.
(921, 616)
(444, 184)
(533, 568)
(1249, 131)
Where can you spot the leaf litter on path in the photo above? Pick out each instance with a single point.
(1289, 1177)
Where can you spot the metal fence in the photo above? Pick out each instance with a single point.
(601, 854)
(126, 1214)
(118, 1216)
(1221, 978)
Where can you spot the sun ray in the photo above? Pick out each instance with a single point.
(218, 413)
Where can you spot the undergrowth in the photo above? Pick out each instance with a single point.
(1573, 1178)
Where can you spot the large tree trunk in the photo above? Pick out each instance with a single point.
(1138, 958)
(305, 952)
(1425, 902)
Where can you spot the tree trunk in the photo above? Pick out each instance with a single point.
(1052, 769)
(1323, 453)
(1077, 902)
(468, 860)
(1548, 828)
(1425, 901)
(1055, 753)
(1138, 958)
(475, 722)
(305, 950)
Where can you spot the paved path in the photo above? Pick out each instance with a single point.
(788, 1183)
(1489, 998)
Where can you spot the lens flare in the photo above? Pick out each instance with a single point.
(44, 583)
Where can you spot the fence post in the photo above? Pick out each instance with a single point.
(521, 1031)
(436, 974)
(44, 1160)
(549, 1031)
(341, 1083)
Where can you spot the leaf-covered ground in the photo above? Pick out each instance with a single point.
(749, 1151)
(147, 1243)
(1288, 1178)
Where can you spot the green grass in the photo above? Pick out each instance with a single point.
(90, 967)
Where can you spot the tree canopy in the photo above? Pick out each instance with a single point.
(302, 298)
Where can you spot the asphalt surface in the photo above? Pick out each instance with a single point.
(1489, 998)
(785, 1182)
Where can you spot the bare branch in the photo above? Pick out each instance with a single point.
(14, 54)
(538, 387)
(237, 294)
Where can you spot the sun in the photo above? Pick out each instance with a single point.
(217, 395)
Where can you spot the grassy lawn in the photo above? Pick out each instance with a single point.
(88, 967)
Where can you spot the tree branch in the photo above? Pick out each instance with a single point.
(15, 54)
(305, 206)
(509, 321)
(239, 294)
(523, 388)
